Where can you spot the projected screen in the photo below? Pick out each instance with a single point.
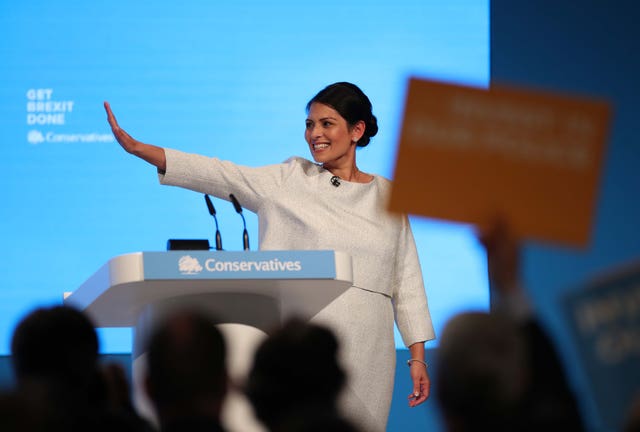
(226, 79)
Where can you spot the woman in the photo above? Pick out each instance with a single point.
(331, 204)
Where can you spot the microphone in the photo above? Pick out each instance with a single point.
(212, 212)
(335, 180)
(245, 234)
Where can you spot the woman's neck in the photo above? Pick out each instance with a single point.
(349, 173)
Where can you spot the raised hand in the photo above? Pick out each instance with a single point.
(153, 154)
(125, 140)
(503, 256)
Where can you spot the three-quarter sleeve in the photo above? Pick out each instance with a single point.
(409, 298)
(220, 178)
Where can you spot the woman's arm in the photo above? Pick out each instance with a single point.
(412, 312)
(148, 152)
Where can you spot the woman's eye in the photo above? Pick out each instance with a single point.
(308, 125)
(326, 124)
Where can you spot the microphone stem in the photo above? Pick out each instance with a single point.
(218, 236)
(245, 234)
(218, 240)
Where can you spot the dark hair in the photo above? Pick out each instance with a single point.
(58, 343)
(298, 352)
(186, 360)
(483, 371)
(352, 104)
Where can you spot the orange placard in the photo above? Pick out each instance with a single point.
(533, 158)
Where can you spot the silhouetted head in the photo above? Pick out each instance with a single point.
(482, 372)
(186, 365)
(295, 370)
(55, 343)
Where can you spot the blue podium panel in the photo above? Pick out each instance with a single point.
(239, 265)
(301, 282)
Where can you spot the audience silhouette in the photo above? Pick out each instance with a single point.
(59, 380)
(295, 380)
(187, 375)
(500, 371)
(15, 415)
(482, 373)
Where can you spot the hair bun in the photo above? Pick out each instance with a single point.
(370, 131)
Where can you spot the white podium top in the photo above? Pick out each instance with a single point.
(301, 282)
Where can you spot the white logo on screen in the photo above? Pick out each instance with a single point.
(35, 137)
(189, 265)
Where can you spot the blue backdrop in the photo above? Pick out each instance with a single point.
(222, 78)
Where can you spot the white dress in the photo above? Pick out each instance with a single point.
(299, 208)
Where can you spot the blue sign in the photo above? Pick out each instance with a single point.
(239, 265)
(605, 319)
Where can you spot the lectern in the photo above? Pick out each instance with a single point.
(253, 289)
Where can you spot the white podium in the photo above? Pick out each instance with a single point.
(248, 293)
